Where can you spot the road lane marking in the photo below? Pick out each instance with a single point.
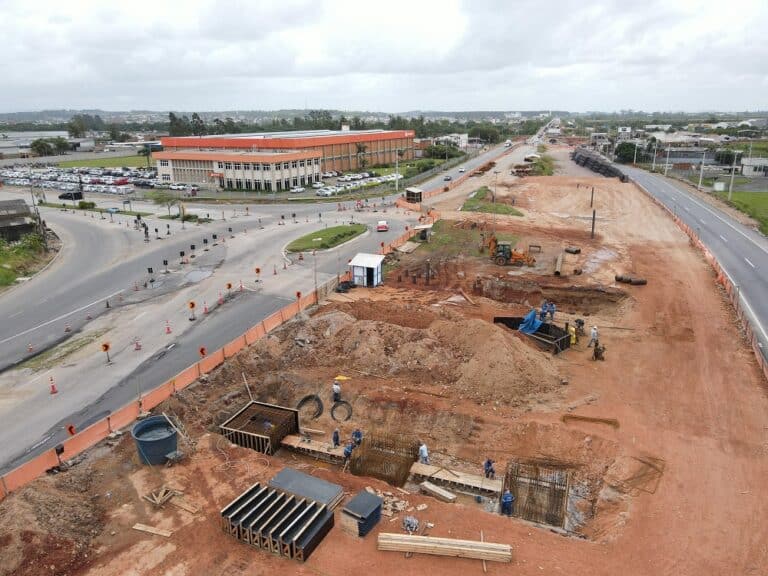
(140, 315)
(748, 261)
(723, 238)
(28, 330)
(743, 299)
(702, 221)
(17, 313)
(686, 208)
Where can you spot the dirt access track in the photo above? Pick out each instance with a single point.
(685, 390)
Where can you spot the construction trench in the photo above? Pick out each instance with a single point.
(603, 458)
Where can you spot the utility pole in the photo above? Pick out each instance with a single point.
(634, 161)
(666, 164)
(397, 170)
(655, 144)
(733, 171)
(701, 172)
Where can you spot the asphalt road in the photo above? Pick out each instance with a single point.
(741, 251)
(99, 262)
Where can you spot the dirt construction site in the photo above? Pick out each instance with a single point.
(651, 461)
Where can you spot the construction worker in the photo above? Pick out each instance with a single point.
(599, 351)
(423, 453)
(572, 334)
(336, 438)
(544, 309)
(336, 390)
(552, 310)
(490, 471)
(357, 436)
(592, 336)
(507, 503)
(348, 451)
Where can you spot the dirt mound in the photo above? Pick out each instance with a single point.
(402, 314)
(496, 365)
(52, 519)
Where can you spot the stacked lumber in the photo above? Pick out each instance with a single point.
(437, 492)
(159, 497)
(445, 547)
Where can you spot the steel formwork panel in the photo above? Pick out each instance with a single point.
(541, 492)
(260, 426)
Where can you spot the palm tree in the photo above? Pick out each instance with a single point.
(146, 152)
(361, 160)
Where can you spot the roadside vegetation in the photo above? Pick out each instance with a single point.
(326, 238)
(136, 161)
(541, 148)
(754, 204)
(709, 182)
(54, 356)
(449, 239)
(544, 166)
(22, 258)
(86, 206)
(481, 201)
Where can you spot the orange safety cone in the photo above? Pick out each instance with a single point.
(205, 307)
(221, 299)
(137, 344)
(167, 327)
(29, 348)
(54, 390)
(67, 328)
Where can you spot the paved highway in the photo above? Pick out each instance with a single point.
(100, 260)
(741, 251)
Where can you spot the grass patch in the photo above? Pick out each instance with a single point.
(480, 202)
(328, 238)
(135, 161)
(544, 166)
(710, 181)
(53, 356)
(20, 258)
(754, 204)
(449, 241)
(187, 218)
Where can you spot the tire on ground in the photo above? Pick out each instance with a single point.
(341, 411)
(638, 281)
(312, 399)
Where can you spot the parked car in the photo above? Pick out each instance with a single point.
(297, 190)
(71, 196)
(113, 210)
(178, 186)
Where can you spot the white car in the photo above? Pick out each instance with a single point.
(462, 169)
(178, 186)
(318, 185)
(297, 190)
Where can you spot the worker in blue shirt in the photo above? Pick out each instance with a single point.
(507, 503)
(490, 471)
(544, 310)
(348, 451)
(336, 438)
(552, 310)
(423, 453)
(357, 436)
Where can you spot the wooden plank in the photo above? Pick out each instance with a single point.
(466, 296)
(454, 477)
(437, 492)
(152, 530)
(184, 505)
(609, 421)
(445, 547)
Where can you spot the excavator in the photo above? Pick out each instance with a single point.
(503, 254)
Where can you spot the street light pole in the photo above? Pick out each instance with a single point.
(634, 161)
(733, 171)
(701, 172)
(655, 144)
(666, 164)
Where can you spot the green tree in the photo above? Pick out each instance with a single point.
(486, 133)
(146, 152)
(625, 152)
(164, 198)
(198, 125)
(114, 132)
(76, 127)
(362, 161)
(60, 145)
(41, 147)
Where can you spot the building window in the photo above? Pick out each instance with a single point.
(229, 183)
(279, 185)
(296, 182)
(317, 161)
(266, 167)
(301, 163)
(287, 184)
(294, 164)
(257, 167)
(248, 184)
(220, 165)
(228, 165)
(239, 184)
(166, 177)
(237, 165)
(163, 162)
(246, 166)
(285, 165)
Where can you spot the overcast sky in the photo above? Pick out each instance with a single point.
(390, 56)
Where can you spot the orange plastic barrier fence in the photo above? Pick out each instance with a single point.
(27, 472)
(185, 378)
(157, 395)
(254, 334)
(85, 439)
(234, 347)
(211, 361)
(272, 322)
(124, 416)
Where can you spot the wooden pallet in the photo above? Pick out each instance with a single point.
(454, 478)
(445, 547)
(437, 492)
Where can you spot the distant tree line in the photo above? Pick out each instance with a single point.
(49, 146)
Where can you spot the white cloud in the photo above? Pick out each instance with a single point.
(393, 56)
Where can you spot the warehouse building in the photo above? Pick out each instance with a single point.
(269, 171)
(194, 158)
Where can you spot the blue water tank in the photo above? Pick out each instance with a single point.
(155, 438)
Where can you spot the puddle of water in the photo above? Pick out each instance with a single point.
(197, 275)
(601, 256)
